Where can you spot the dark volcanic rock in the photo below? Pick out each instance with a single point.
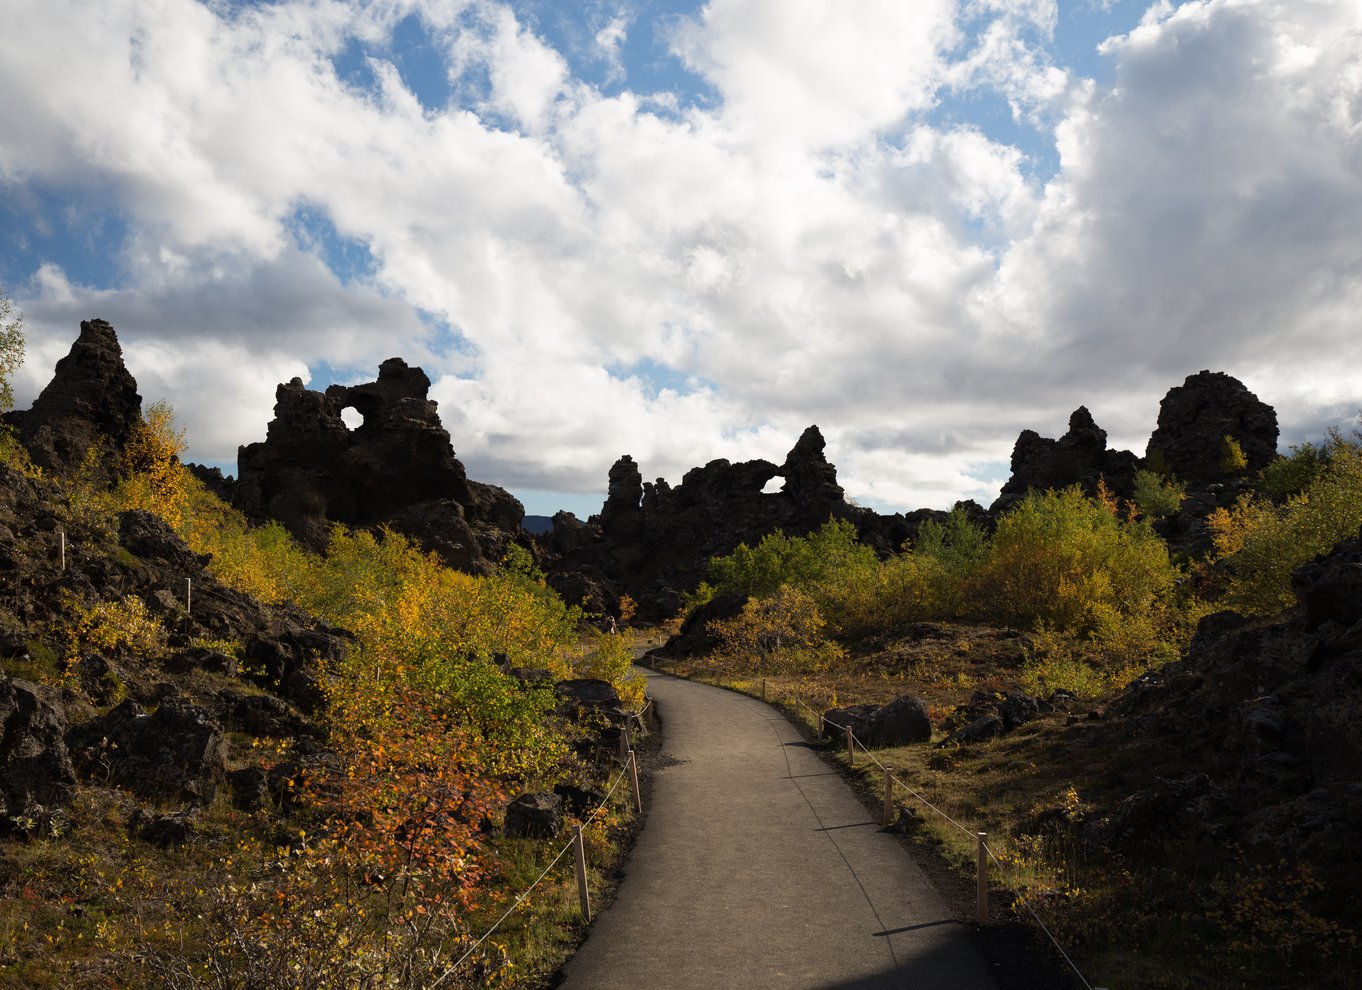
(177, 752)
(91, 402)
(654, 541)
(1330, 586)
(1196, 416)
(982, 729)
(397, 468)
(36, 775)
(1080, 457)
(536, 815)
(837, 720)
(899, 723)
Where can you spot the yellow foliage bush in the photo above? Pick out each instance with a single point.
(1261, 543)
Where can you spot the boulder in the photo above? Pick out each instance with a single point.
(586, 696)
(1196, 416)
(178, 752)
(837, 720)
(982, 729)
(173, 829)
(535, 815)
(36, 774)
(901, 722)
(580, 801)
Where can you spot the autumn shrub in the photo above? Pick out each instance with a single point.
(1068, 561)
(372, 885)
(778, 633)
(151, 476)
(830, 555)
(610, 657)
(1260, 543)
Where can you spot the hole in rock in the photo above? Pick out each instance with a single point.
(351, 417)
(774, 486)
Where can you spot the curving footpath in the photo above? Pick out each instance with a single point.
(759, 868)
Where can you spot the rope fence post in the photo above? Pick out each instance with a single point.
(61, 549)
(888, 798)
(763, 689)
(981, 894)
(188, 595)
(633, 782)
(851, 748)
(579, 854)
(625, 748)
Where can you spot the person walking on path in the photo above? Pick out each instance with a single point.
(758, 868)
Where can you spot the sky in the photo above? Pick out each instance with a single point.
(685, 231)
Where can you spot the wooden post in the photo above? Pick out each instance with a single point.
(624, 740)
(888, 798)
(633, 781)
(579, 854)
(61, 549)
(851, 748)
(763, 689)
(981, 895)
(188, 595)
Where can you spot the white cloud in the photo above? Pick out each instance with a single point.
(808, 249)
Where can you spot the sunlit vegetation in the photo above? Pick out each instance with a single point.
(373, 864)
(1095, 600)
(1060, 561)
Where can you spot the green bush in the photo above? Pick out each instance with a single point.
(1066, 560)
(1156, 496)
(1294, 473)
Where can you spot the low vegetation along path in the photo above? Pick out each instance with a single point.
(759, 868)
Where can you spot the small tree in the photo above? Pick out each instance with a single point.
(11, 349)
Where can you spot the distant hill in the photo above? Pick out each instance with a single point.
(538, 524)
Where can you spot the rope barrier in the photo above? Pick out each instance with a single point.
(1054, 941)
(486, 935)
(519, 900)
(972, 835)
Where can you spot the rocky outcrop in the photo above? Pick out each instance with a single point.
(1256, 735)
(91, 403)
(397, 468)
(653, 541)
(1080, 457)
(1196, 417)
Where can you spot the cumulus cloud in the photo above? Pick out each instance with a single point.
(588, 273)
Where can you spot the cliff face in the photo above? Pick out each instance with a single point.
(397, 469)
